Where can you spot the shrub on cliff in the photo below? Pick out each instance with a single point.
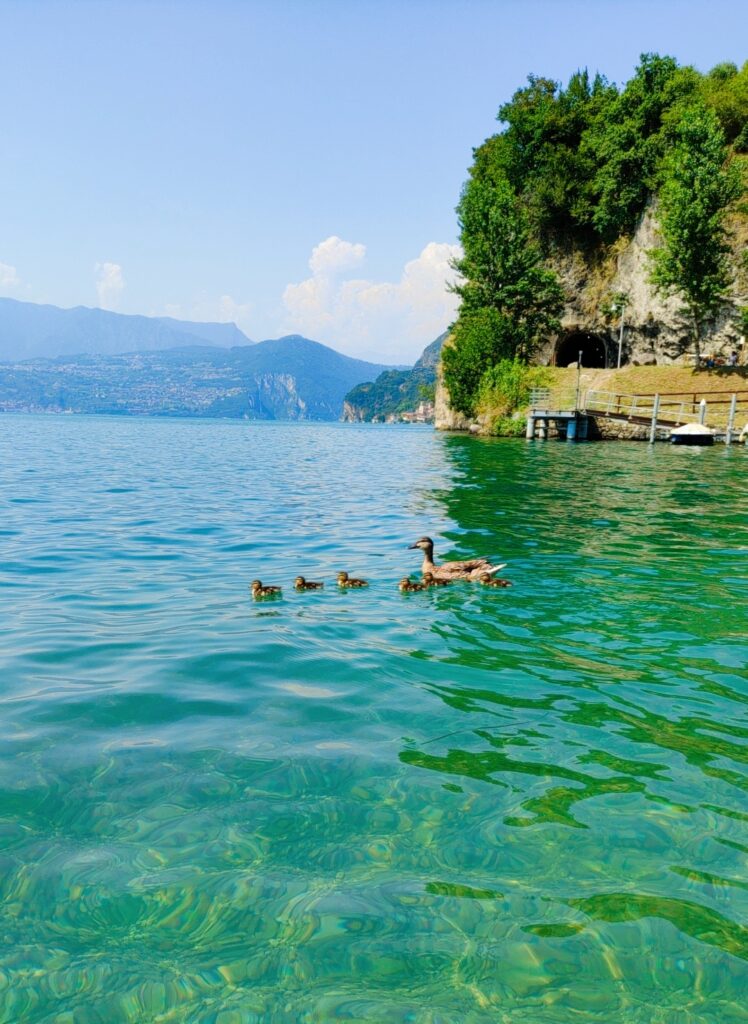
(504, 390)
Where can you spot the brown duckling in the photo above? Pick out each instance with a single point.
(407, 586)
(429, 580)
(302, 584)
(489, 581)
(465, 570)
(259, 591)
(348, 582)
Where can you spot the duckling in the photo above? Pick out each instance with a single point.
(488, 581)
(347, 582)
(259, 591)
(301, 584)
(407, 586)
(429, 580)
(466, 570)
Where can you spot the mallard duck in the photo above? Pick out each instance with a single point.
(259, 591)
(488, 581)
(429, 580)
(301, 584)
(344, 580)
(467, 570)
(407, 586)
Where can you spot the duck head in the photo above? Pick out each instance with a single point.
(426, 544)
(299, 581)
(342, 577)
(255, 585)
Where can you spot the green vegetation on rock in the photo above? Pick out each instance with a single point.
(509, 299)
(574, 169)
(396, 391)
(698, 188)
(504, 393)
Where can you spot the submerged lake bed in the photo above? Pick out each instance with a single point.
(463, 805)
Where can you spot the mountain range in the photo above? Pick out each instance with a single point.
(29, 331)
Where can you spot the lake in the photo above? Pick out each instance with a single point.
(465, 805)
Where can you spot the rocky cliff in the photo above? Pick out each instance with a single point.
(397, 395)
(655, 329)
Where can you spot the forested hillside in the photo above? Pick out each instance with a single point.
(395, 392)
(573, 171)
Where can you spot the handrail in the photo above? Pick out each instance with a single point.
(680, 407)
(704, 394)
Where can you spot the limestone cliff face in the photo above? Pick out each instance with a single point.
(352, 413)
(445, 417)
(278, 394)
(656, 331)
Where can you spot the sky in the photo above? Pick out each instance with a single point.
(292, 166)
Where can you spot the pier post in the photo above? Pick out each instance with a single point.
(731, 419)
(702, 410)
(530, 431)
(653, 427)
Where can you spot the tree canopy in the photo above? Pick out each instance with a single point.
(698, 187)
(509, 299)
(577, 166)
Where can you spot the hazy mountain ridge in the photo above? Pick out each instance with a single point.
(288, 378)
(29, 330)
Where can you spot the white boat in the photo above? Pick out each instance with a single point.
(692, 433)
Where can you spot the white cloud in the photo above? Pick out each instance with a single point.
(333, 256)
(9, 280)
(385, 321)
(109, 284)
(223, 310)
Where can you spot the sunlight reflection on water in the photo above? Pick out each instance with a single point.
(524, 805)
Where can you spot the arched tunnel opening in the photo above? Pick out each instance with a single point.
(592, 347)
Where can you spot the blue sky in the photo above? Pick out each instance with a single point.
(293, 166)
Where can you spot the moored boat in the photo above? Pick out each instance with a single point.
(692, 433)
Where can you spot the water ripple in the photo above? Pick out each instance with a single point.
(457, 806)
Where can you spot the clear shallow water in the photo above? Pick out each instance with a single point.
(526, 805)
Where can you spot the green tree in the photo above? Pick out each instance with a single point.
(725, 89)
(630, 138)
(699, 186)
(509, 299)
(540, 152)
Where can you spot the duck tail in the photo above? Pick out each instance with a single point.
(493, 569)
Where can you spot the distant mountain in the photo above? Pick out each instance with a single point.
(29, 330)
(288, 378)
(397, 394)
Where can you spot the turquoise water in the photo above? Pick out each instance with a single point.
(522, 805)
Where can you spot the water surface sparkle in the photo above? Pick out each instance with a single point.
(523, 805)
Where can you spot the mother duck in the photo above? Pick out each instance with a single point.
(471, 569)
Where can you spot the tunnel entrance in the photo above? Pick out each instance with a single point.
(592, 347)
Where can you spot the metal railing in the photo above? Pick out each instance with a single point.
(556, 399)
(715, 409)
(641, 407)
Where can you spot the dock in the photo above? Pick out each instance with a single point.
(574, 415)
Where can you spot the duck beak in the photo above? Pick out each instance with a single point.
(412, 546)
